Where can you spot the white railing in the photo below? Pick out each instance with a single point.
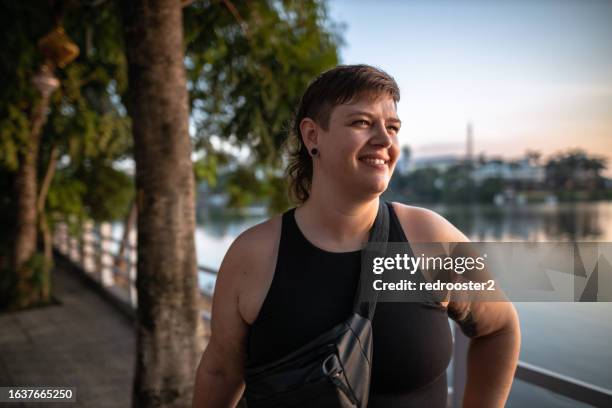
(95, 252)
(92, 250)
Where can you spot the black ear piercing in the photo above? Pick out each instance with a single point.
(314, 151)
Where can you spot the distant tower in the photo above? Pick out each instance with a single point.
(469, 153)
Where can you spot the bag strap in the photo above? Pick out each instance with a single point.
(366, 297)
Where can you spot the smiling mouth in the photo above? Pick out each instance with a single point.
(374, 162)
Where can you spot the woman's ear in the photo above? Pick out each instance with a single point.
(310, 134)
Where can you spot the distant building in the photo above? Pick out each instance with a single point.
(523, 170)
(441, 163)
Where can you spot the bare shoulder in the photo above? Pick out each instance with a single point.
(245, 265)
(249, 265)
(256, 243)
(424, 225)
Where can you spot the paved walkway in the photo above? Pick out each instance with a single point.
(83, 342)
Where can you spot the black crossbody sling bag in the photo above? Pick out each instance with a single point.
(333, 370)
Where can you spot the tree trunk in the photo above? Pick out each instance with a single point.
(42, 217)
(24, 245)
(168, 323)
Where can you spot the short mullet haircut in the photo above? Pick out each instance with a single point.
(337, 86)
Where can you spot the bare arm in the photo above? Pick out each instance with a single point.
(493, 354)
(219, 377)
(493, 326)
(239, 293)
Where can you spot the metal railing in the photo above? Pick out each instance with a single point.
(564, 385)
(91, 251)
(549, 380)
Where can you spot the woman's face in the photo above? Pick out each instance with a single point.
(360, 147)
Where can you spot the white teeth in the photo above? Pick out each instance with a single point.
(373, 161)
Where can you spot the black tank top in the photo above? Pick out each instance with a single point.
(312, 290)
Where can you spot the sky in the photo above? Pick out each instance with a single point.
(527, 74)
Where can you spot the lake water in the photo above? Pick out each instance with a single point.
(573, 339)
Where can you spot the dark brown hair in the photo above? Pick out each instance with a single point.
(340, 85)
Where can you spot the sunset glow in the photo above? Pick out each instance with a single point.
(527, 75)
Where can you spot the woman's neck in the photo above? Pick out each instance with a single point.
(335, 222)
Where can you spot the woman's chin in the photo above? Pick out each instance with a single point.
(375, 186)
(364, 185)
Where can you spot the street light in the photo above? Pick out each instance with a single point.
(44, 81)
(58, 50)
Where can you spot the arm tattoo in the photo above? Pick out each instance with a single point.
(464, 318)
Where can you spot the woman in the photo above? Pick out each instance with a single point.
(306, 263)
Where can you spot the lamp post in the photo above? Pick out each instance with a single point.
(57, 50)
(46, 83)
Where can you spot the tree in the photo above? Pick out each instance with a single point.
(248, 63)
(575, 170)
(21, 123)
(167, 285)
(86, 132)
(420, 185)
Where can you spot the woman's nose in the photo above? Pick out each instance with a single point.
(381, 135)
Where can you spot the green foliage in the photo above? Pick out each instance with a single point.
(65, 196)
(205, 170)
(458, 184)
(247, 71)
(14, 130)
(574, 170)
(22, 23)
(97, 192)
(572, 175)
(37, 283)
(276, 191)
(39, 266)
(422, 184)
(489, 188)
(246, 186)
(207, 167)
(239, 196)
(87, 122)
